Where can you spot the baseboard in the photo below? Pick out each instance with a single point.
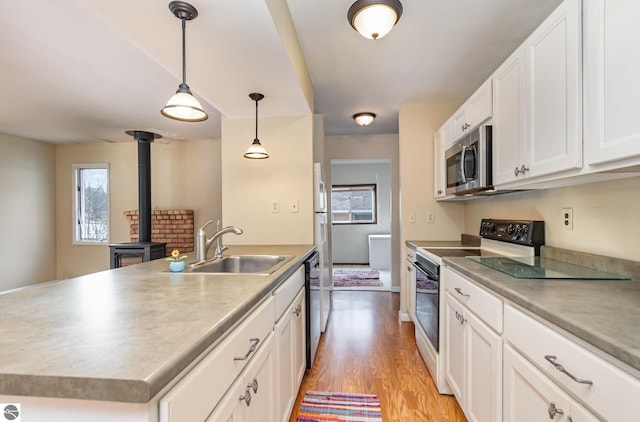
(404, 316)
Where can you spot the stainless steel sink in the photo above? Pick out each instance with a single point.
(241, 264)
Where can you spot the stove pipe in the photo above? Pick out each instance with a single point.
(144, 140)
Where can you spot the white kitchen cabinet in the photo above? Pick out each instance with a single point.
(410, 277)
(612, 86)
(473, 363)
(538, 132)
(439, 177)
(253, 395)
(473, 112)
(290, 340)
(605, 389)
(508, 132)
(218, 369)
(531, 396)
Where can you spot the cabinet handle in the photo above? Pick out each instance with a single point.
(298, 310)
(253, 385)
(569, 419)
(254, 346)
(523, 169)
(246, 397)
(516, 171)
(553, 411)
(459, 291)
(460, 318)
(552, 360)
(439, 191)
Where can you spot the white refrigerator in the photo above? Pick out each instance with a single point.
(321, 236)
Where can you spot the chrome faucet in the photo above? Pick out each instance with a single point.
(203, 244)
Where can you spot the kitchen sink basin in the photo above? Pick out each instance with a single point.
(241, 264)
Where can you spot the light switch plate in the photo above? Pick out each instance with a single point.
(275, 206)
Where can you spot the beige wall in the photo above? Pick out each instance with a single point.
(418, 123)
(184, 174)
(605, 215)
(250, 186)
(27, 212)
(372, 147)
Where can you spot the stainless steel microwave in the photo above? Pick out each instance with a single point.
(468, 163)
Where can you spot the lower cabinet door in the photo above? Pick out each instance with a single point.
(455, 346)
(285, 330)
(252, 397)
(530, 396)
(299, 342)
(483, 401)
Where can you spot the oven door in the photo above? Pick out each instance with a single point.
(427, 302)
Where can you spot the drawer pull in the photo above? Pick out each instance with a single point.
(253, 385)
(459, 291)
(553, 411)
(298, 310)
(552, 360)
(246, 398)
(254, 346)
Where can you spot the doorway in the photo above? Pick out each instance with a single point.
(361, 229)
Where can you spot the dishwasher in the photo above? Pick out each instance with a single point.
(312, 299)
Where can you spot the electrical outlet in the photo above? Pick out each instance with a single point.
(293, 205)
(275, 206)
(412, 217)
(431, 217)
(567, 219)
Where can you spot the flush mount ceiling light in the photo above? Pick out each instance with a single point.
(364, 119)
(183, 105)
(256, 151)
(374, 19)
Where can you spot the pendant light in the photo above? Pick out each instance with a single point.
(256, 151)
(183, 105)
(364, 119)
(374, 19)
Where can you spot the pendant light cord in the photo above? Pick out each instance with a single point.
(184, 57)
(256, 119)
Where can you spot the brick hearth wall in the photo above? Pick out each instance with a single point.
(175, 227)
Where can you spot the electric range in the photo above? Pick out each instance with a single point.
(498, 238)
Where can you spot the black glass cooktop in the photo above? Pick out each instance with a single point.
(537, 267)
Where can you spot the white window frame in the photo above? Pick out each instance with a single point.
(74, 213)
(372, 187)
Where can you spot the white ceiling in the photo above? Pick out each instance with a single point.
(87, 70)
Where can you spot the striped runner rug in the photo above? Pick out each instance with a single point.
(320, 406)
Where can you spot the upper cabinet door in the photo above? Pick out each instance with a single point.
(553, 122)
(612, 85)
(508, 118)
(474, 111)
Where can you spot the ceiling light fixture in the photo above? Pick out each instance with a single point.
(364, 119)
(374, 19)
(256, 151)
(183, 105)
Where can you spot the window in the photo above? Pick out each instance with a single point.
(353, 204)
(91, 203)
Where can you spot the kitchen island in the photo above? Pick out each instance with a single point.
(124, 335)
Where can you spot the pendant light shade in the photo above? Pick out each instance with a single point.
(183, 105)
(256, 151)
(364, 119)
(374, 19)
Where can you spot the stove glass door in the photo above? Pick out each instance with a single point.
(427, 302)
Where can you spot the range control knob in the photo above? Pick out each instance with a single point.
(511, 229)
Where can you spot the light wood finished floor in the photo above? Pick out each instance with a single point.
(366, 350)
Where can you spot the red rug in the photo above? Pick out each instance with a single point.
(335, 407)
(356, 278)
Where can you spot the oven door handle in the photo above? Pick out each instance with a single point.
(425, 270)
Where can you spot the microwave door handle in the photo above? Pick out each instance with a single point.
(462, 154)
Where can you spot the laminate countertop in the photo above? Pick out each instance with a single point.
(122, 335)
(602, 313)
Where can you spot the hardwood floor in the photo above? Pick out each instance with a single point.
(366, 350)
